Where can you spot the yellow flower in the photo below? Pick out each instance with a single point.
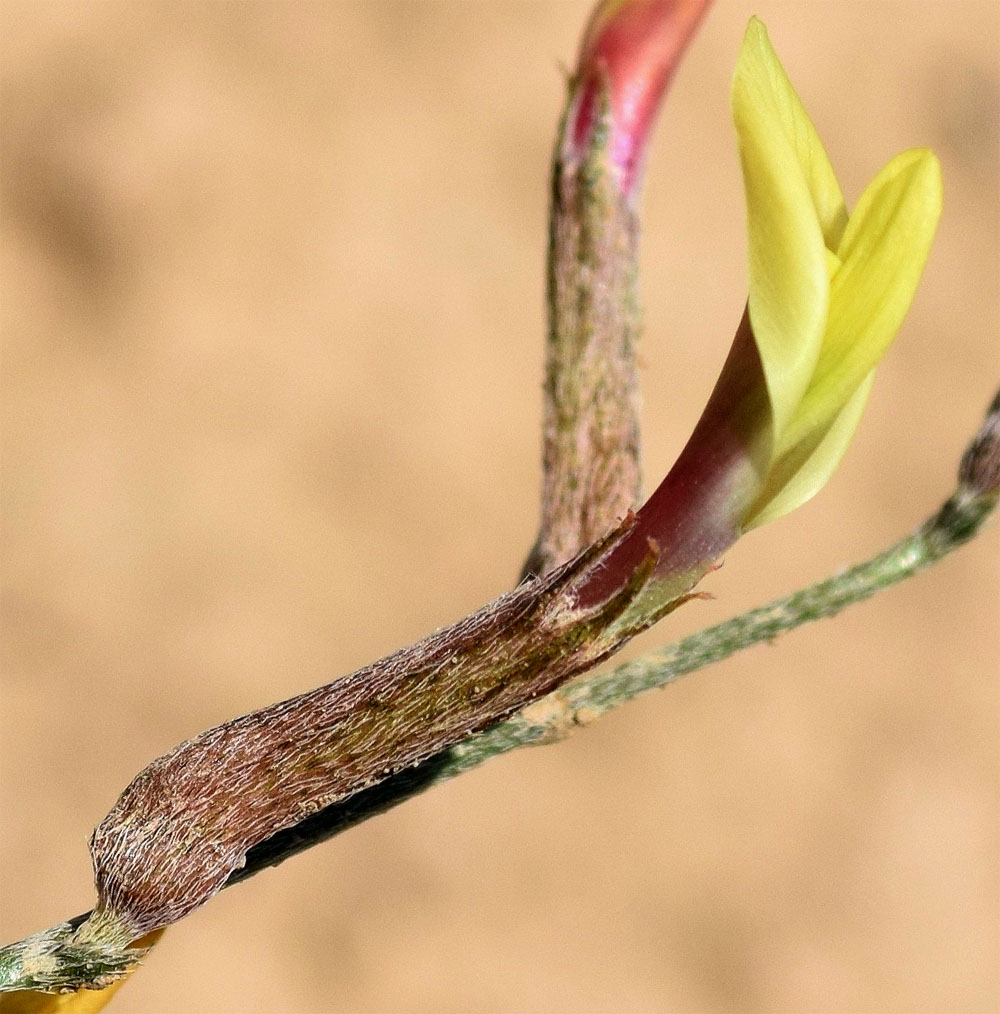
(828, 291)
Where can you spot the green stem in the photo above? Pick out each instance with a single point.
(589, 697)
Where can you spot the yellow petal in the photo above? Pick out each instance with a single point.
(791, 197)
(883, 254)
(83, 1001)
(803, 472)
(767, 84)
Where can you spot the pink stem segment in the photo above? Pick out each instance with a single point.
(632, 47)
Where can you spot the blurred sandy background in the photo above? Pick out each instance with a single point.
(272, 318)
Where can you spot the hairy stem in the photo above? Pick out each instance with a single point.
(590, 429)
(587, 699)
(48, 959)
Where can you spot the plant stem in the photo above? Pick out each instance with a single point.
(588, 697)
(578, 703)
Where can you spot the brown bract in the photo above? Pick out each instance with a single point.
(186, 822)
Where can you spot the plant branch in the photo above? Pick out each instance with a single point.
(958, 521)
(589, 697)
(578, 703)
(260, 788)
(590, 428)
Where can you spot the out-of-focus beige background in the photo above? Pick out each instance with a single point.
(272, 318)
